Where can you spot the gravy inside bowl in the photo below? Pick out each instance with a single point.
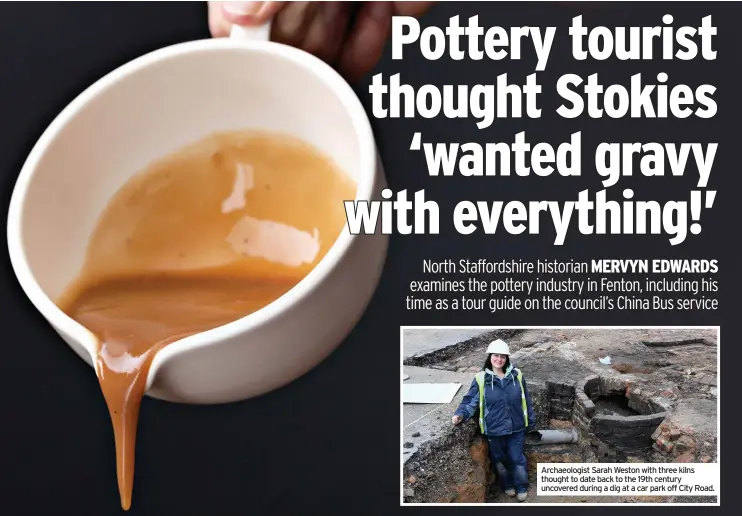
(200, 238)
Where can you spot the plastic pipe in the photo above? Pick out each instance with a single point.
(557, 436)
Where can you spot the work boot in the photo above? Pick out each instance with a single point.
(522, 497)
(510, 492)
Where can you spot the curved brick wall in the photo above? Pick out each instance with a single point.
(627, 433)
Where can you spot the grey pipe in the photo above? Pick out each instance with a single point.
(557, 436)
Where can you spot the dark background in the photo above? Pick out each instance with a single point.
(331, 439)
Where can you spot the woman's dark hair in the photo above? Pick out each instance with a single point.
(488, 363)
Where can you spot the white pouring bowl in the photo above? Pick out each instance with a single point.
(149, 108)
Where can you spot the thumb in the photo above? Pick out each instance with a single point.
(222, 15)
(250, 13)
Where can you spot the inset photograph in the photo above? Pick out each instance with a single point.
(571, 415)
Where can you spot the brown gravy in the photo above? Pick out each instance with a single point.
(199, 239)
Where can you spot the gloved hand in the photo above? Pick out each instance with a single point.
(533, 436)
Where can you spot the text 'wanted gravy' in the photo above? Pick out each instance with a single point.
(199, 239)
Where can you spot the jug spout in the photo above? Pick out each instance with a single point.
(154, 367)
(172, 374)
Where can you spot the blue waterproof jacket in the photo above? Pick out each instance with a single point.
(503, 405)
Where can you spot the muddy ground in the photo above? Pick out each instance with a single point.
(676, 367)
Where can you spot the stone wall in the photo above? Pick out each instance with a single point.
(561, 400)
(541, 401)
(583, 407)
(627, 433)
(551, 400)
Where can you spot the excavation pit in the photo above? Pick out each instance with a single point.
(613, 405)
(609, 413)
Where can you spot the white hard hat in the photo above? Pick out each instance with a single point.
(498, 346)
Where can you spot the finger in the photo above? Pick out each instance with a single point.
(326, 32)
(218, 26)
(412, 8)
(365, 45)
(250, 13)
(291, 24)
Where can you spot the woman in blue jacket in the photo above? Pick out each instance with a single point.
(506, 416)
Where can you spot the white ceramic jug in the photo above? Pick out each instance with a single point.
(151, 107)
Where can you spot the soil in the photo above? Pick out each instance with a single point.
(615, 405)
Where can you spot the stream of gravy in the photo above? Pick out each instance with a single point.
(201, 238)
